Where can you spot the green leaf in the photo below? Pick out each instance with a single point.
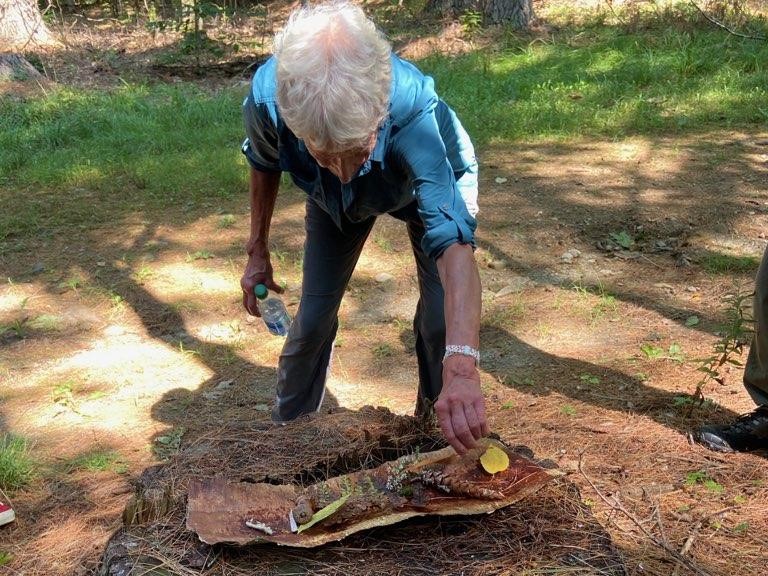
(323, 513)
(741, 527)
(623, 239)
(651, 351)
(692, 321)
(713, 486)
(693, 478)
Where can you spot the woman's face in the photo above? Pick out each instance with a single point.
(344, 164)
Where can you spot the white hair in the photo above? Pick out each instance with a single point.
(333, 76)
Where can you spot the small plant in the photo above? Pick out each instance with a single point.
(98, 461)
(589, 379)
(693, 478)
(471, 22)
(508, 405)
(383, 350)
(142, 274)
(674, 352)
(63, 395)
(568, 410)
(168, 443)
(607, 303)
(684, 400)
(73, 283)
(5, 558)
(679, 401)
(199, 255)
(384, 243)
(651, 352)
(16, 468)
(741, 527)
(18, 327)
(713, 486)
(736, 333)
(226, 221)
(623, 239)
(702, 478)
(46, 323)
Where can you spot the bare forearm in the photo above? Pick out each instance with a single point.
(263, 193)
(461, 407)
(461, 283)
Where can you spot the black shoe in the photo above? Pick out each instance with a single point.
(749, 432)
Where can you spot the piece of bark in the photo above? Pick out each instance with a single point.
(434, 483)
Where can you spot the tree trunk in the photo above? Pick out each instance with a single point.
(15, 68)
(518, 13)
(21, 25)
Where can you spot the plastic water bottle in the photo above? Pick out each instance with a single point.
(273, 311)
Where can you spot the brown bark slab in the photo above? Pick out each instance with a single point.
(437, 483)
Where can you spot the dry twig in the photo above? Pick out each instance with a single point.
(724, 27)
(616, 505)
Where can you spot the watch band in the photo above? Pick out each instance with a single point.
(464, 350)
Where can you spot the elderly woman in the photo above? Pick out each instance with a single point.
(363, 133)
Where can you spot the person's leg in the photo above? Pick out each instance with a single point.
(429, 320)
(750, 431)
(756, 369)
(330, 256)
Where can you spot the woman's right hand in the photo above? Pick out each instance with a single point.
(257, 271)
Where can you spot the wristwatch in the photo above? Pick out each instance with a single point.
(451, 349)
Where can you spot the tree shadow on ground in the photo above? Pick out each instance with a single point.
(527, 369)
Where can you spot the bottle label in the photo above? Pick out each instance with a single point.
(277, 328)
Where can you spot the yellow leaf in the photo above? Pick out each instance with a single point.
(494, 460)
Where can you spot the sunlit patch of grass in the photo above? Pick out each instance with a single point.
(383, 242)
(199, 255)
(16, 466)
(226, 221)
(97, 461)
(142, 274)
(63, 394)
(725, 264)
(597, 80)
(73, 283)
(46, 323)
(504, 314)
(383, 350)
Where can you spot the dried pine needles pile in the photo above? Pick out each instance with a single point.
(548, 531)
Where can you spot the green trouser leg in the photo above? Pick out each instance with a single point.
(756, 370)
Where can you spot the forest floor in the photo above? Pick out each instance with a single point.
(607, 269)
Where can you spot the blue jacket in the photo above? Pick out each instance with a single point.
(422, 154)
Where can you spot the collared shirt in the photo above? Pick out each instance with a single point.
(422, 154)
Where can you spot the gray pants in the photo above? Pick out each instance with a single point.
(756, 369)
(330, 256)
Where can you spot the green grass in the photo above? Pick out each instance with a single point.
(106, 153)
(97, 461)
(603, 81)
(87, 157)
(724, 264)
(16, 467)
